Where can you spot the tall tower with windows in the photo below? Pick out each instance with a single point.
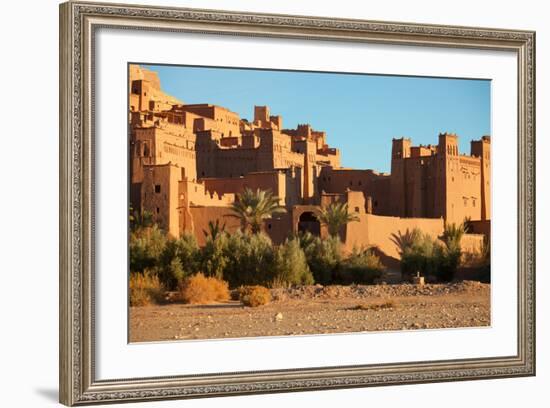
(401, 150)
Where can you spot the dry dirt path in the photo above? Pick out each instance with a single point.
(319, 310)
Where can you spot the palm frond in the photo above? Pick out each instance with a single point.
(335, 216)
(253, 207)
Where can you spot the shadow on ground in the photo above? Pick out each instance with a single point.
(50, 394)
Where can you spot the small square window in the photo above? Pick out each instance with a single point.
(157, 188)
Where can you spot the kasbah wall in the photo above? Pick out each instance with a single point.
(188, 163)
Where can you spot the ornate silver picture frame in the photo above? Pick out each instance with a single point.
(79, 22)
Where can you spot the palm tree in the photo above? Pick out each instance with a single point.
(452, 235)
(252, 207)
(335, 216)
(405, 241)
(214, 229)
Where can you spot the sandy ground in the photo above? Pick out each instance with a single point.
(319, 310)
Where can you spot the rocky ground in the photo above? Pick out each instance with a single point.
(318, 310)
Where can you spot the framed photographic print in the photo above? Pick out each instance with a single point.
(256, 203)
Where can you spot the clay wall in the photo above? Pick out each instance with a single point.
(421, 187)
(146, 85)
(376, 230)
(401, 148)
(279, 227)
(381, 195)
(167, 144)
(481, 227)
(372, 184)
(472, 243)
(422, 151)
(470, 174)
(212, 117)
(195, 194)
(235, 162)
(276, 122)
(159, 195)
(273, 181)
(328, 156)
(482, 149)
(261, 115)
(198, 219)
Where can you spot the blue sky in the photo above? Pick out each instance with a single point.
(360, 113)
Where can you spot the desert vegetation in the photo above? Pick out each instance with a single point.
(247, 257)
(254, 296)
(145, 289)
(200, 289)
(439, 258)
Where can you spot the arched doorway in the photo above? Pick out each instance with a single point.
(309, 222)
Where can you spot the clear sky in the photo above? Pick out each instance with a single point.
(360, 113)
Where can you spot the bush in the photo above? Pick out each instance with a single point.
(249, 259)
(451, 253)
(420, 253)
(290, 265)
(254, 296)
(448, 261)
(146, 246)
(199, 289)
(323, 256)
(180, 259)
(479, 262)
(361, 267)
(145, 289)
(214, 255)
(485, 267)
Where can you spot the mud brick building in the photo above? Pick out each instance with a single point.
(189, 161)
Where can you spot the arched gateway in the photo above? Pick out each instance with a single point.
(305, 219)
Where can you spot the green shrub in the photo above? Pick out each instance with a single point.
(447, 263)
(361, 267)
(420, 253)
(146, 246)
(254, 296)
(290, 265)
(214, 255)
(323, 256)
(180, 258)
(249, 259)
(423, 256)
(485, 267)
(451, 253)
